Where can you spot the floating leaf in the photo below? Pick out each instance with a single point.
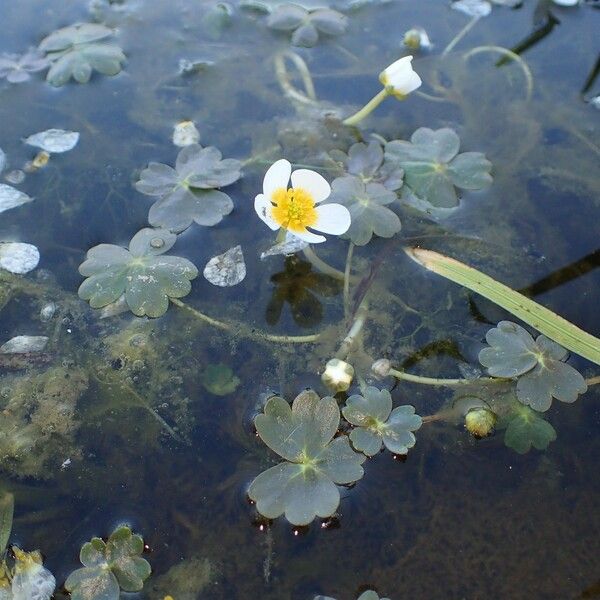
(305, 24)
(550, 324)
(305, 487)
(7, 508)
(146, 278)
(18, 258)
(433, 167)
(367, 205)
(23, 344)
(367, 162)
(74, 52)
(539, 365)
(185, 192)
(473, 8)
(109, 567)
(16, 68)
(11, 197)
(54, 140)
(376, 424)
(526, 428)
(220, 380)
(227, 269)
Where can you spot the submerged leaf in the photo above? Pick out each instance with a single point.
(23, 344)
(54, 140)
(146, 278)
(7, 507)
(473, 8)
(526, 428)
(17, 68)
(227, 269)
(220, 380)
(305, 487)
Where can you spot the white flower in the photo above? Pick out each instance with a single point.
(400, 77)
(295, 209)
(566, 2)
(32, 581)
(338, 375)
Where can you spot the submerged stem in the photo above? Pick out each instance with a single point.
(357, 325)
(245, 331)
(368, 108)
(321, 265)
(287, 86)
(460, 35)
(443, 382)
(347, 279)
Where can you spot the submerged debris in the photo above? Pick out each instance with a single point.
(22, 344)
(18, 257)
(54, 140)
(227, 269)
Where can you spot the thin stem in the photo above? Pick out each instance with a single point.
(347, 279)
(593, 381)
(321, 265)
(350, 339)
(443, 382)
(510, 54)
(460, 35)
(243, 329)
(287, 86)
(368, 108)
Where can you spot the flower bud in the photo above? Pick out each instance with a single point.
(338, 375)
(480, 422)
(416, 39)
(381, 368)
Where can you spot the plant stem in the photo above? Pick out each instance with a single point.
(593, 381)
(368, 108)
(460, 35)
(350, 339)
(443, 382)
(347, 279)
(245, 331)
(321, 265)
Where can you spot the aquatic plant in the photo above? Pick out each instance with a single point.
(11, 197)
(367, 204)
(367, 595)
(433, 168)
(146, 277)
(187, 192)
(220, 380)
(338, 375)
(227, 269)
(306, 25)
(54, 140)
(17, 68)
(526, 428)
(30, 579)
(75, 51)
(539, 365)
(305, 485)
(377, 425)
(366, 161)
(109, 567)
(295, 209)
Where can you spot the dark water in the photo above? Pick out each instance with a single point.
(459, 518)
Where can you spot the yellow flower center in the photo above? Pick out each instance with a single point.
(294, 208)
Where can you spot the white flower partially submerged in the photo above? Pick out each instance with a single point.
(400, 78)
(32, 581)
(295, 209)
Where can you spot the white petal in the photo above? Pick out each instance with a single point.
(398, 66)
(411, 83)
(309, 237)
(263, 207)
(315, 184)
(278, 176)
(332, 218)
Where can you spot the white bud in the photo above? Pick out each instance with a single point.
(338, 375)
(381, 367)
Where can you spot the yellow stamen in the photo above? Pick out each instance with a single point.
(294, 209)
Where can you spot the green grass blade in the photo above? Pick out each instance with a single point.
(7, 507)
(544, 320)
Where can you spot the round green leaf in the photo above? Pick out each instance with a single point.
(93, 553)
(525, 429)
(93, 583)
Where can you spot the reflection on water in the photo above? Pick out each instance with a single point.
(116, 418)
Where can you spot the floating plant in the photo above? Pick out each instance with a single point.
(146, 277)
(17, 68)
(305, 485)
(367, 162)
(377, 425)
(539, 365)
(306, 25)
(109, 567)
(367, 204)
(186, 193)
(77, 50)
(433, 168)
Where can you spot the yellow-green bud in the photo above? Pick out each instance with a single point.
(480, 422)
